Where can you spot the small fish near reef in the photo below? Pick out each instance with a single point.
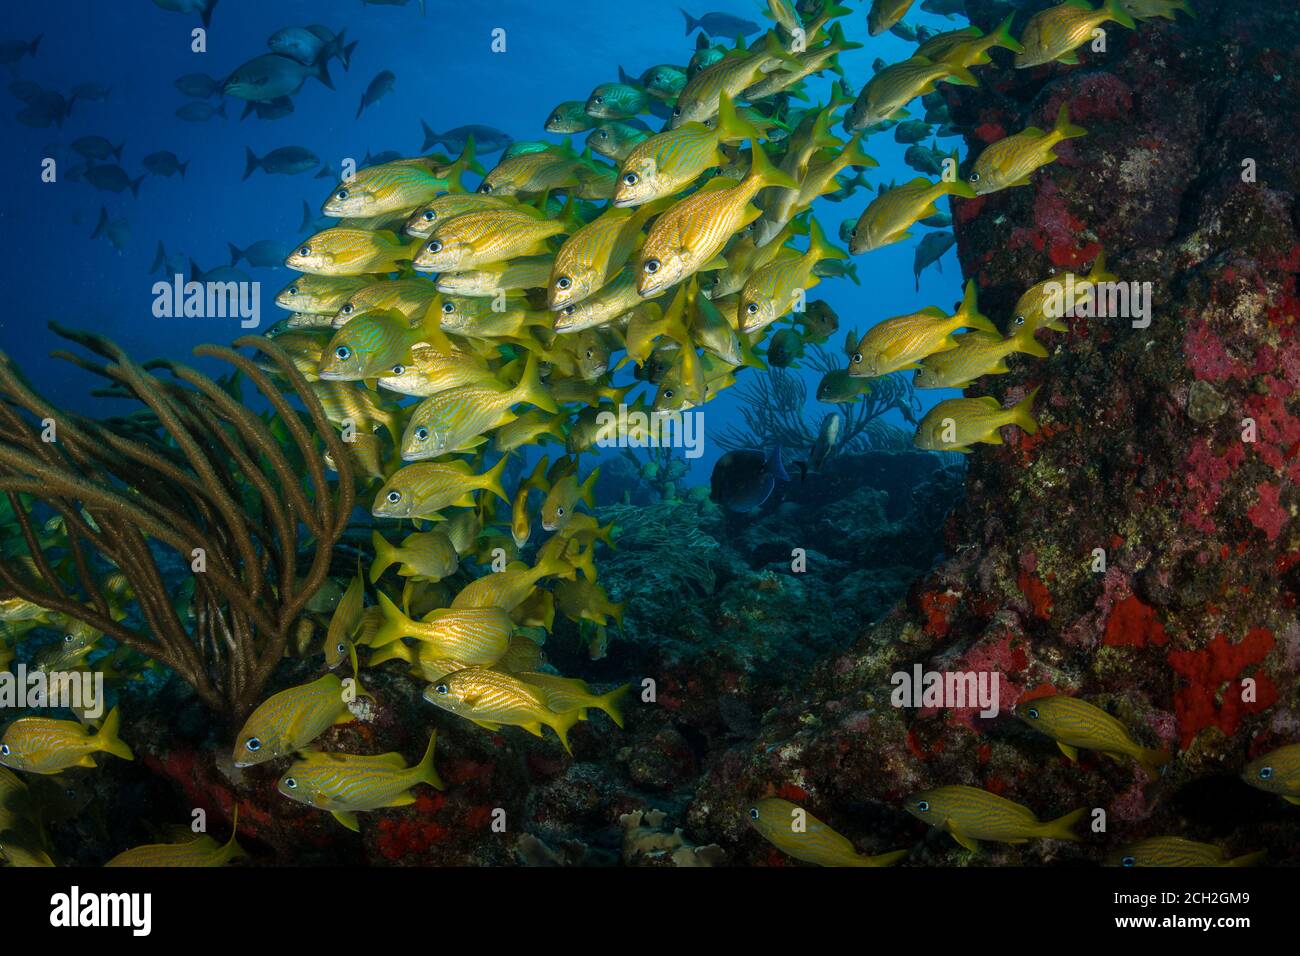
(744, 479)
(970, 815)
(1078, 725)
(797, 833)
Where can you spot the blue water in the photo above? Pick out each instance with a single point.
(446, 75)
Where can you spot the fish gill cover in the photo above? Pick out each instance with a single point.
(425, 571)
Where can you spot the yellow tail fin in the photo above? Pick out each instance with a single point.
(1062, 828)
(107, 738)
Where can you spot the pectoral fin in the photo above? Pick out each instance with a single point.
(348, 819)
(1071, 752)
(964, 840)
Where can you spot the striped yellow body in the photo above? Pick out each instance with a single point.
(324, 295)
(592, 256)
(974, 814)
(799, 834)
(492, 699)
(479, 238)
(903, 341)
(973, 420)
(432, 214)
(422, 489)
(1056, 32)
(888, 217)
(290, 720)
(455, 419)
(1176, 851)
(977, 354)
(530, 174)
(475, 636)
(203, 851)
(429, 371)
(410, 297)
(893, 88)
(385, 190)
(615, 299)
(530, 272)
(348, 252)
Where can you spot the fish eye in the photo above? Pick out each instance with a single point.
(568, 310)
(67, 638)
(1018, 320)
(650, 266)
(434, 247)
(394, 497)
(293, 290)
(253, 745)
(591, 353)
(441, 689)
(1033, 713)
(340, 647)
(752, 308)
(598, 100)
(563, 283)
(341, 194)
(677, 111)
(348, 309)
(923, 806)
(974, 177)
(630, 179)
(422, 434)
(429, 215)
(448, 308)
(291, 783)
(304, 251)
(342, 352)
(1265, 773)
(399, 369)
(604, 134)
(4, 750)
(668, 393)
(485, 188)
(559, 512)
(857, 358)
(753, 813)
(1128, 861)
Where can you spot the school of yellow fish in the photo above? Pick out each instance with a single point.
(439, 324)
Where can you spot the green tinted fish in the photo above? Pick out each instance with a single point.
(410, 298)
(321, 294)
(888, 217)
(958, 423)
(384, 190)
(290, 720)
(884, 14)
(565, 694)
(614, 299)
(797, 833)
(614, 140)
(594, 254)
(1076, 724)
(423, 489)
(894, 87)
(513, 277)
(729, 76)
(368, 346)
(425, 554)
(569, 117)
(492, 699)
(969, 47)
(348, 784)
(778, 287)
(344, 623)
(977, 354)
(1176, 851)
(531, 174)
(487, 236)
(616, 101)
(1275, 772)
(969, 815)
(45, 746)
(432, 214)
(201, 851)
(430, 370)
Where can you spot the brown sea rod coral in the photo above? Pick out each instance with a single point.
(196, 473)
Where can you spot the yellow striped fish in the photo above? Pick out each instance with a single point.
(531, 174)
(201, 851)
(348, 784)
(884, 14)
(1275, 772)
(797, 833)
(564, 496)
(1011, 161)
(524, 653)
(479, 318)
(594, 254)
(476, 635)
(387, 189)
(515, 276)
(1176, 851)
(288, 721)
(819, 180)
(668, 162)
(434, 213)
(895, 86)
(977, 354)
(617, 298)
(1045, 305)
(1076, 724)
(970, 815)
(1151, 9)
(45, 746)
(969, 47)
(730, 76)
(894, 211)
(431, 369)
(349, 252)
(688, 236)
(564, 694)
(344, 623)
(958, 423)
(774, 290)
(456, 419)
(1057, 32)
(323, 294)
(492, 699)
(349, 402)
(367, 347)
(426, 554)
(422, 489)
(509, 588)
(490, 235)
(410, 298)
(900, 343)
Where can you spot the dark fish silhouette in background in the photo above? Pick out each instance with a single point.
(202, 7)
(11, 51)
(286, 161)
(487, 139)
(929, 251)
(118, 231)
(198, 112)
(270, 76)
(310, 45)
(743, 479)
(112, 178)
(198, 85)
(391, 3)
(722, 25)
(379, 87)
(165, 163)
(275, 109)
(97, 147)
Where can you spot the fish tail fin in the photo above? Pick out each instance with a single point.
(587, 490)
(346, 56)
(184, 166)
(466, 161)
(1064, 129)
(107, 738)
(322, 73)
(117, 150)
(1062, 828)
(221, 110)
(1022, 413)
(1249, 859)
(970, 312)
(425, 772)
(960, 76)
(1115, 10)
(732, 127)
(205, 15)
(562, 724)
(530, 388)
(819, 247)
(235, 253)
(102, 224)
(885, 859)
(491, 479)
(612, 703)
(855, 155)
(385, 556)
(1152, 760)
(394, 625)
(135, 185)
(957, 187)
(232, 849)
(1003, 38)
(431, 139)
(251, 162)
(159, 259)
(763, 172)
(1026, 343)
(691, 24)
(31, 47)
(1098, 272)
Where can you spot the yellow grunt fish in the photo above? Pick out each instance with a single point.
(492, 699)
(797, 833)
(45, 746)
(1076, 724)
(290, 720)
(1176, 851)
(884, 14)
(893, 212)
(199, 852)
(474, 636)
(977, 354)
(900, 343)
(488, 236)
(349, 252)
(434, 213)
(595, 254)
(1011, 161)
(564, 694)
(1057, 32)
(1045, 306)
(969, 47)
(895, 86)
(323, 294)
(778, 287)
(425, 554)
(970, 815)
(423, 489)
(389, 189)
(1275, 772)
(958, 423)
